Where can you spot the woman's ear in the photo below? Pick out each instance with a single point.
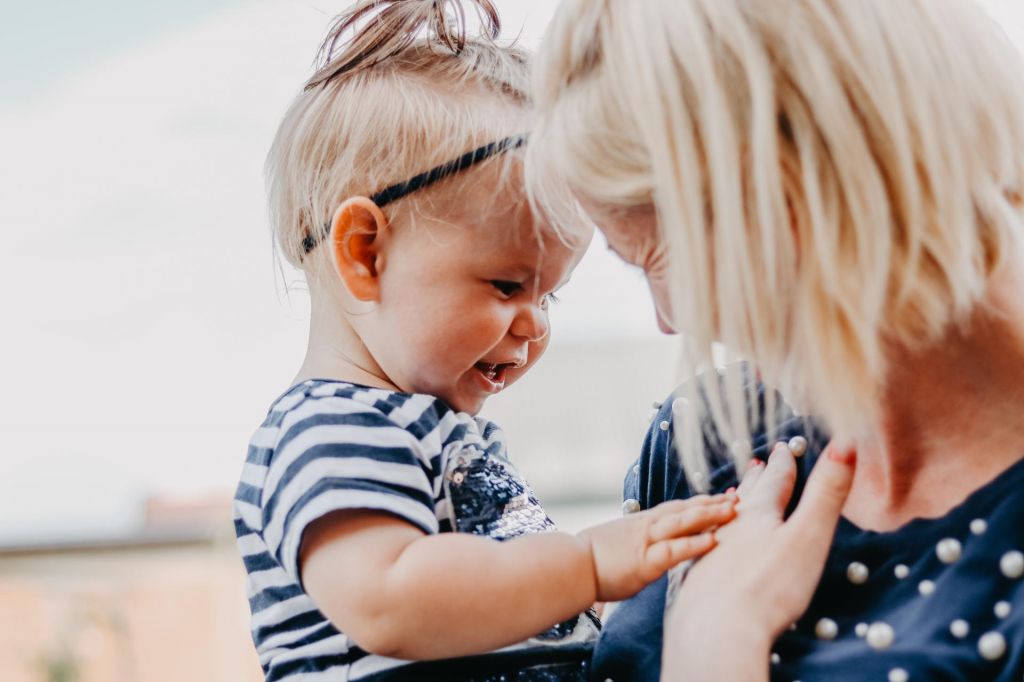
(355, 244)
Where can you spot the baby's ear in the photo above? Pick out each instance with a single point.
(355, 246)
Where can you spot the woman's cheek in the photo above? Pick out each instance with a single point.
(662, 304)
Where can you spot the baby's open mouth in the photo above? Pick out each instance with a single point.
(494, 372)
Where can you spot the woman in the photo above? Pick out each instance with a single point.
(832, 190)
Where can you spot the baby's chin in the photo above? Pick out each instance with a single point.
(467, 406)
(471, 402)
(458, 400)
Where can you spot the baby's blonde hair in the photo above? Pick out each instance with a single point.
(833, 179)
(400, 88)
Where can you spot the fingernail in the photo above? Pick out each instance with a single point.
(730, 490)
(847, 456)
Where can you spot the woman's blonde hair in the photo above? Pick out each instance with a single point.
(399, 89)
(832, 178)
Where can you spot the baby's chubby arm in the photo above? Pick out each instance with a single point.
(401, 593)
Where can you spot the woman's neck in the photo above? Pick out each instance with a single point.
(951, 418)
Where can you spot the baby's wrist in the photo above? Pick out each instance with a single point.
(588, 563)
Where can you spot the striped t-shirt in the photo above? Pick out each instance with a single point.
(327, 446)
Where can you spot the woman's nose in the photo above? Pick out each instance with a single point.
(530, 323)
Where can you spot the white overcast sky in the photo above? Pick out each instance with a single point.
(144, 327)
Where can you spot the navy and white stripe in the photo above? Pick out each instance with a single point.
(329, 446)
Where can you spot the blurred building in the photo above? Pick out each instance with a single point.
(166, 603)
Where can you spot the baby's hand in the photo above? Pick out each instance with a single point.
(630, 553)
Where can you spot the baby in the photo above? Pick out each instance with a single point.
(385, 533)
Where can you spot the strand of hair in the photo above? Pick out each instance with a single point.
(392, 26)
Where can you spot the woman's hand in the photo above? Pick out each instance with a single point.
(631, 552)
(739, 598)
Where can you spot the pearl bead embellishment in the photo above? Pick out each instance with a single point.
(1012, 564)
(861, 629)
(948, 550)
(898, 675)
(1002, 609)
(630, 506)
(775, 658)
(663, 425)
(901, 571)
(826, 628)
(797, 445)
(992, 646)
(857, 573)
(979, 526)
(959, 628)
(880, 636)
(926, 587)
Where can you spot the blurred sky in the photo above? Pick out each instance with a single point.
(145, 329)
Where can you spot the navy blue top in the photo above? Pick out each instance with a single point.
(890, 606)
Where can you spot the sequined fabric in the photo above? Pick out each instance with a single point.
(489, 497)
(558, 672)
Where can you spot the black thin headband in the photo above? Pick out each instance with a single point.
(401, 189)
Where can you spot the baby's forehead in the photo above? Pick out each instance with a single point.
(526, 237)
(507, 216)
(494, 210)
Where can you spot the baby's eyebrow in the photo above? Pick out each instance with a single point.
(521, 272)
(534, 277)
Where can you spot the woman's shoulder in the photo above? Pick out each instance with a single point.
(658, 474)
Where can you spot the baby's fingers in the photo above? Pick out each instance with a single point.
(676, 506)
(661, 556)
(692, 520)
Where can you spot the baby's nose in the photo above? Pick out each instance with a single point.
(531, 323)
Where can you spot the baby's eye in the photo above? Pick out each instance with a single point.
(506, 287)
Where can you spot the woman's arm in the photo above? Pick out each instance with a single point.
(402, 593)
